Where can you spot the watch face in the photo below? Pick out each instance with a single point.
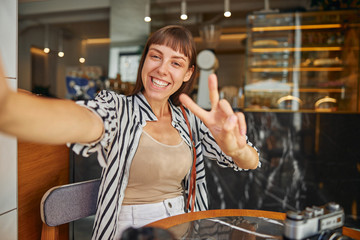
(129, 64)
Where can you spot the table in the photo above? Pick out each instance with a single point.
(225, 223)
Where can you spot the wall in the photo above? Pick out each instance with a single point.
(33, 36)
(8, 148)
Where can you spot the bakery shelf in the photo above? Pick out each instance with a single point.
(310, 56)
(295, 49)
(300, 69)
(322, 90)
(305, 90)
(292, 28)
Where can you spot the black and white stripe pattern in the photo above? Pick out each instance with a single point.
(124, 118)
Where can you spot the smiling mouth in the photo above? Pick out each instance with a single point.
(159, 83)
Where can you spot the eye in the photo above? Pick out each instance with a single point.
(154, 56)
(177, 64)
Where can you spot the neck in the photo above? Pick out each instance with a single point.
(159, 108)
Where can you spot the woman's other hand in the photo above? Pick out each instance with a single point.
(227, 127)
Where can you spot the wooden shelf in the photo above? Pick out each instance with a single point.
(250, 109)
(295, 49)
(300, 69)
(322, 90)
(301, 27)
(304, 90)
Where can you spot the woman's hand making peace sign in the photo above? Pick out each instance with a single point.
(228, 128)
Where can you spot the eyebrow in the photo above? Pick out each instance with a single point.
(174, 56)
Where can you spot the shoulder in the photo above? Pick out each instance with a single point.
(111, 98)
(109, 95)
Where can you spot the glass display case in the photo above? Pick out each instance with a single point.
(306, 61)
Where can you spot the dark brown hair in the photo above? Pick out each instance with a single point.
(179, 39)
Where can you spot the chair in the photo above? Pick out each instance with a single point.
(67, 203)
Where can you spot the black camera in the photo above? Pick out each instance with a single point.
(323, 222)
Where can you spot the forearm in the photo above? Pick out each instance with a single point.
(246, 158)
(44, 120)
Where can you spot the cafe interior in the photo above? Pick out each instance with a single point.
(292, 67)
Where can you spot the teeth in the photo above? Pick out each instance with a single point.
(159, 83)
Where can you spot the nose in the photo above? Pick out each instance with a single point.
(163, 68)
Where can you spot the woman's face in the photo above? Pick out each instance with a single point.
(164, 72)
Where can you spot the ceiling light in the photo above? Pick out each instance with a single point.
(147, 17)
(61, 53)
(46, 39)
(227, 12)
(83, 51)
(183, 15)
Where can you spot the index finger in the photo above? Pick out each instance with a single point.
(192, 106)
(213, 90)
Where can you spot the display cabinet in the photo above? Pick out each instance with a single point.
(307, 61)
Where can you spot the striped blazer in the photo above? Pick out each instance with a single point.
(124, 118)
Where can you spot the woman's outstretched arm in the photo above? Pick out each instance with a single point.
(45, 120)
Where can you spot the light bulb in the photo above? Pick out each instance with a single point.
(183, 15)
(81, 60)
(61, 54)
(227, 14)
(46, 50)
(147, 17)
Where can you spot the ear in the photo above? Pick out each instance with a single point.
(189, 73)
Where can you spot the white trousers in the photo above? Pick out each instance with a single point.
(139, 215)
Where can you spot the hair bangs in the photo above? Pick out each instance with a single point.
(176, 40)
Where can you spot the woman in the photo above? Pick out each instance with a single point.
(142, 141)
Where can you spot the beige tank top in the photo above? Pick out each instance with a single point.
(156, 171)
